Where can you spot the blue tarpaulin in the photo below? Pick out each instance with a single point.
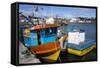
(82, 46)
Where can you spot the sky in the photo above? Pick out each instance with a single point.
(59, 11)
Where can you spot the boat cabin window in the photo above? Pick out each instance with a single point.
(48, 31)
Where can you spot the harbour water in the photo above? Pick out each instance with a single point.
(90, 29)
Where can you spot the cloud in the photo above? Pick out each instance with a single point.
(26, 13)
(84, 9)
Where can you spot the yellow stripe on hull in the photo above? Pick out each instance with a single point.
(53, 56)
(82, 52)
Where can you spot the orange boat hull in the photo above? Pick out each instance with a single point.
(45, 48)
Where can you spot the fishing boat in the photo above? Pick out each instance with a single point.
(42, 41)
(78, 44)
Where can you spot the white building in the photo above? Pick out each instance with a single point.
(74, 20)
